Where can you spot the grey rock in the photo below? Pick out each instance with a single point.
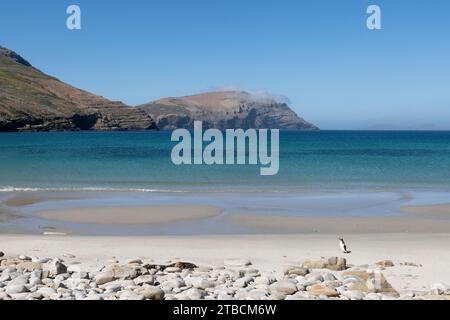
(439, 288)
(152, 293)
(128, 295)
(114, 287)
(354, 295)
(46, 291)
(104, 277)
(195, 294)
(15, 288)
(243, 282)
(4, 296)
(265, 280)
(54, 268)
(198, 282)
(284, 286)
(296, 271)
(332, 263)
(147, 279)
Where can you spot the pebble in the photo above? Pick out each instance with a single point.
(320, 290)
(296, 270)
(104, 277)
(152, 293)
(49, 279)
(198, 282)
(195, 293)
(15, 288)
(237, 263)
(284, 287)
(134, 261)
(385, 263)
(146, 279)
(439, 288)
(128, 295)
(354, 295)
(54, 267)
(172, 269)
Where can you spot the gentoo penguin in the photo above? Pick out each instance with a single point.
(343, 246)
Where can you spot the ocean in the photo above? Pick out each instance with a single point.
(309, 162)
(325, 173)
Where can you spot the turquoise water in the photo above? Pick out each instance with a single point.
(140, 161)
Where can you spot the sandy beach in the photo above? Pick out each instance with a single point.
(269, 253)
(409, 250)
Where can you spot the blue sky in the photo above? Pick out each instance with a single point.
(336, 73)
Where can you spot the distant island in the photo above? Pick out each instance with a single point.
(31, 100)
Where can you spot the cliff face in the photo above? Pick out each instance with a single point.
(225, 110)
(33, 101)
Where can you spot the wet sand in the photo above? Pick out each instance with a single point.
(131, 215)
(442, 210)
(341, 225)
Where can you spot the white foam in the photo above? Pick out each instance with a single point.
(83, 189)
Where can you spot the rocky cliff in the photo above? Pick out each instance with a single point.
(225, 110)
(33, 101)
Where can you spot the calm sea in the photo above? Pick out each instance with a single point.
(309, 161)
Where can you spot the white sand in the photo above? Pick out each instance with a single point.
(267, 252)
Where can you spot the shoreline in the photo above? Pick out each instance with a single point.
(194, 213)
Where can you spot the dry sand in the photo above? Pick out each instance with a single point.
(267, 252)
(132, 215)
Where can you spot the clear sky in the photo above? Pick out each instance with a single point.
(336, 73)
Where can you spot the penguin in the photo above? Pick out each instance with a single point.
(343, 246)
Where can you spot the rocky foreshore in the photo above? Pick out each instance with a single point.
(65, 278)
